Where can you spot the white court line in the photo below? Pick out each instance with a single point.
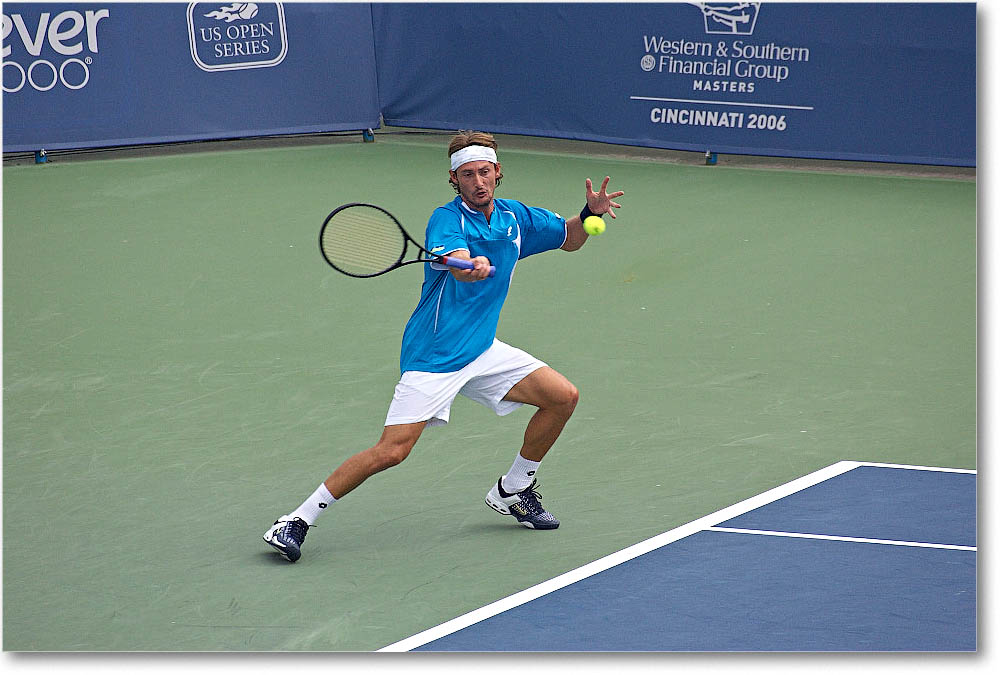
(915, 468)
(634, 551)
(621, 556)
(830, 537)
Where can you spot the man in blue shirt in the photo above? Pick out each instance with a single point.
(450, 346)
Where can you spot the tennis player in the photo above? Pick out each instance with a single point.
(450, 346)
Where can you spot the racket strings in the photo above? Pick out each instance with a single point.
(362, 240)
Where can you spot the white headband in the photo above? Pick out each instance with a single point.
(473, 153)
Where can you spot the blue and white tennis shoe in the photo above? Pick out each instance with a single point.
(524, 506)
(287, 535)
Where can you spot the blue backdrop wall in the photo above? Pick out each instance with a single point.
(865, 81)
(84, 75)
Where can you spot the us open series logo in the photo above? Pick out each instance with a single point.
(237, 36)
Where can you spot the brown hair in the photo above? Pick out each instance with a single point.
(464, 139)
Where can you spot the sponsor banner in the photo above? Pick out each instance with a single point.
(883, 82)
(81, 75)
(892, 82)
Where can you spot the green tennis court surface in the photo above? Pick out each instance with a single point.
(180, 367)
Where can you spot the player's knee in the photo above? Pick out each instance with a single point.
(570, 397)
(388, 454)
(386, 458)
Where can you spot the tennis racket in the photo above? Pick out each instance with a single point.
(364, 240)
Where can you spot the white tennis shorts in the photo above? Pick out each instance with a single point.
(428, 397)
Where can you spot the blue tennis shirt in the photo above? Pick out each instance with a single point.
(456, 321)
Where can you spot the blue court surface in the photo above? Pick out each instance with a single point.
(854, 557)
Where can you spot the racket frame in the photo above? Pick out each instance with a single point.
(449, 261)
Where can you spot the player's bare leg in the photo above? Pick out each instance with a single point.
(392, 448)
(556, 399)
(289, 531)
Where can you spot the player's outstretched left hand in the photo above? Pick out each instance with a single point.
(602, 202)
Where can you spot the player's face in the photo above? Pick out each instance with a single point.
(476, 183)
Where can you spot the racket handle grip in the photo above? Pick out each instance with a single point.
(463, 264)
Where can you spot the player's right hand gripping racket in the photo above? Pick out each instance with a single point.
(364, 240)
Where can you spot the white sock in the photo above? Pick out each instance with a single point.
(312, 507)
(521, 473)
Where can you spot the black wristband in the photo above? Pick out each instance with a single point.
(586, 213)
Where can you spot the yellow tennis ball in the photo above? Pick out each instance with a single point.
(593, 225)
